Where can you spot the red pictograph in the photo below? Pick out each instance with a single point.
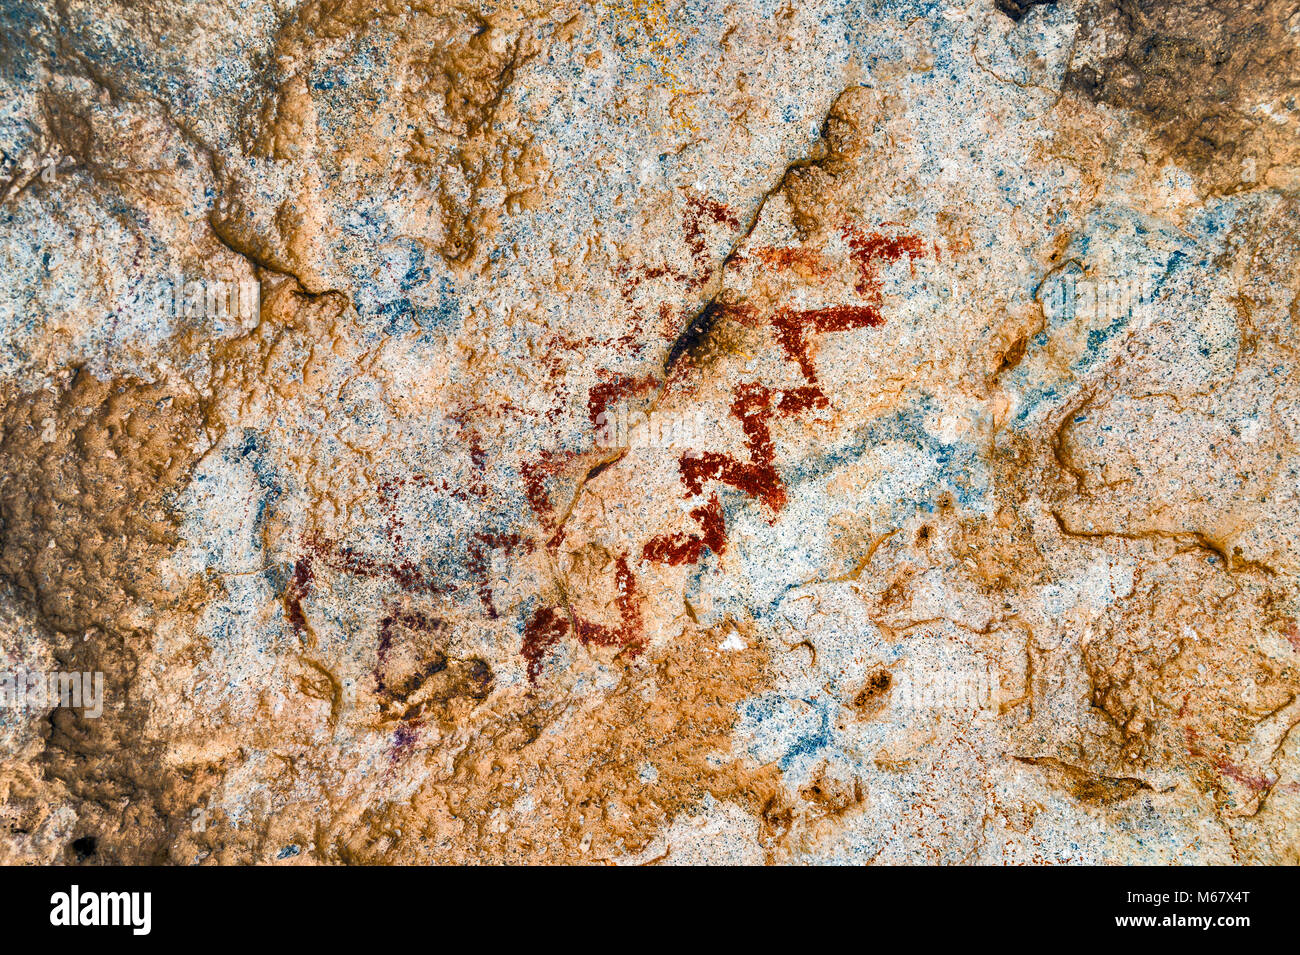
(754, 405)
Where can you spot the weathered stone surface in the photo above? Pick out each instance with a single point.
(651, 431)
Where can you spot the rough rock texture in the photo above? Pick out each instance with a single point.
(662, 431)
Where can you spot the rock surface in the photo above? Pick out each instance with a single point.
(652, 431)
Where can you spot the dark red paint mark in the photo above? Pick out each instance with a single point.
(682, 548)
(753, 405)
(629, 633)
(544, 630)
(297, 591)
(794, 326)
(535, 474)
(797, 400)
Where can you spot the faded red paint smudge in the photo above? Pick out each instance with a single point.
(536, 474)
(620, 386)
(634, 278)
(404, 739)
(1225, 767)
(413, 620)
(1292, 634)
(404, 573)
(477, 485)
(480, 547)
(700, 209)
(808, 261)
(794, 326)
(344, 559)
(1256, 783)
(701, 212)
